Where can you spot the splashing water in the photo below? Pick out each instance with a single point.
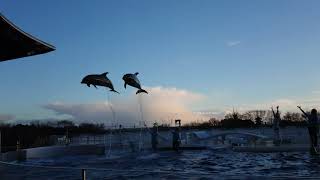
(142, 120)
(113, 122)
(111, 108)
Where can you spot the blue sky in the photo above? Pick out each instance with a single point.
(231, 52)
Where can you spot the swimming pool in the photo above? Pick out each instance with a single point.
(220, 164)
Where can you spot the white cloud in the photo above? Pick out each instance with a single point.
(317, 92)
(233, 43)
(160, 104)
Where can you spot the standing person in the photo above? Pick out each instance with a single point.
(313, 128)
(276, 126)
(154, 137)
(176, 139)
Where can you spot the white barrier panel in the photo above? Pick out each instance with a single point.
(56, 151)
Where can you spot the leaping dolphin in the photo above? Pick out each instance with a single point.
(98, 80)
(132, 80)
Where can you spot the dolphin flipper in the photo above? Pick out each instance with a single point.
(141, 91)
(125, 85)
(88, 85)
(104, 74)
(95, 86)
(112, 90)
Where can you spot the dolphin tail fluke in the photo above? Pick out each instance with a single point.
(112, 90)
(141, 91)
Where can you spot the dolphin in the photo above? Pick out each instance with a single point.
(98, 80)
(132, 80)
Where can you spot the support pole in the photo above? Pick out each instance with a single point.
(0, 144)
(83, 174)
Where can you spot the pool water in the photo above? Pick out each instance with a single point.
(222, 164)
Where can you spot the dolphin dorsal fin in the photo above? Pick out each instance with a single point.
(136, 73)
(104, 74)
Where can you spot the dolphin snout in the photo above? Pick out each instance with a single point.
(84, 81)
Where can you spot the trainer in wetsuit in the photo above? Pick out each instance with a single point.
(276, 128)
(176, 139)
(313, 128)
(154, 137)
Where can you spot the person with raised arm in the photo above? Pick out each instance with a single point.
(312, 128)
(276, 126)
(154, 137)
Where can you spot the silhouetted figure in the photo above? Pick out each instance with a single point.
(154, 137)
(98, 80)
(18, 146)
(313, 128)
(258, 121)
(132, 80)
(276, 126)
(176, 139)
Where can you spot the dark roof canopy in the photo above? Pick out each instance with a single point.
(14, 43)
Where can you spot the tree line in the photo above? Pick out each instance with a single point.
(250, 119)
(38, 134)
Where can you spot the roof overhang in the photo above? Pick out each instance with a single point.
(15, 43)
